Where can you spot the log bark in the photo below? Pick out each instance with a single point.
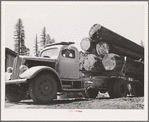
(124, 52)
(99, 33)
(94, 63)
(134, 68)
(81, 59)
(91, 64)
(105, 51)
(102, 48)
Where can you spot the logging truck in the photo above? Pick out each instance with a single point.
(57, 70)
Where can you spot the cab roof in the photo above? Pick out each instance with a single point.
(58, 45)
(61, 43)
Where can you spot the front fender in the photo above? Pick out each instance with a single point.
(33, 71)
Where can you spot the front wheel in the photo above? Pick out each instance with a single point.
(43, 88)
(120, 88)
(91, 93)
(14, 93)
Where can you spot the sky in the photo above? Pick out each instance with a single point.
(71, 21)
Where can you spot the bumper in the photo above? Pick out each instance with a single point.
(17, 81)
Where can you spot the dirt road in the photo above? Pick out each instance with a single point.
(98, 103)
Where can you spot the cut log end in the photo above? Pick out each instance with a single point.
(89, 62)
(94, 29)
(85, 44)
(105, 51)
(110, 62)
(102, 48)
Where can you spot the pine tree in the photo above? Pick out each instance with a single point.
(19, 36)
(36, 46)
(27, 52)
(53, 40)
(43, 37)
(48, 39)
(22, 44)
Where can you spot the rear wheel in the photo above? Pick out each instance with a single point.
(43, 88)
(14, 93)
(120, 88)
(138, 90)
(91, 93)
(110, 88)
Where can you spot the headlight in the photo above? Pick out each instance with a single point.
(23, 68)
(9, 69)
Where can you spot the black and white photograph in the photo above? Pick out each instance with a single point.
(74, 60)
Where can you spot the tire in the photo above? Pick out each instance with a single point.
(91, 93)
(110, 88)
(14, 93)
(138, 90)
(120, 88)
(43, 88)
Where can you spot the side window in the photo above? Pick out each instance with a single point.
(68, 53)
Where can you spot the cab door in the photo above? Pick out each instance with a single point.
(69, 64)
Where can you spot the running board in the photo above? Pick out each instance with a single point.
(73, 90)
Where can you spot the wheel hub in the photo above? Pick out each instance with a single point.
(45, 88)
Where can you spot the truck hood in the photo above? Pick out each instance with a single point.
(39, 59)
(30, 62)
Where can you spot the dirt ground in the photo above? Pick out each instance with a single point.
(101, 102)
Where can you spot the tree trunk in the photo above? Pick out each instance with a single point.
(112, 62)
(87, 44)
(125, 52)
(93, 63)
(102, 48)
(90, 63)
(105, 51)
(99, 33)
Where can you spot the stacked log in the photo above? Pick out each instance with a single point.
(112, 62)
(102, 48)
(94, 63)
(89, 62)
(134, 68)
(86, 44)
(105, 50)
(120, 44)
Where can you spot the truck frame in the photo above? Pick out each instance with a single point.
(57, 70)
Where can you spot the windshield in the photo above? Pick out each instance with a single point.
(50, 53)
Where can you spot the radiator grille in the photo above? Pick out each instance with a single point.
(17, 63)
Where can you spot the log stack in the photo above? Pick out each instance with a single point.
(104, 50)
(118, 44)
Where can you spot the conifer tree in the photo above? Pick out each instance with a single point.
(43, 37)
(19, 36)
(36, 46)
(48, 39)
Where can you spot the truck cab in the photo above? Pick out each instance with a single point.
(67, 59)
